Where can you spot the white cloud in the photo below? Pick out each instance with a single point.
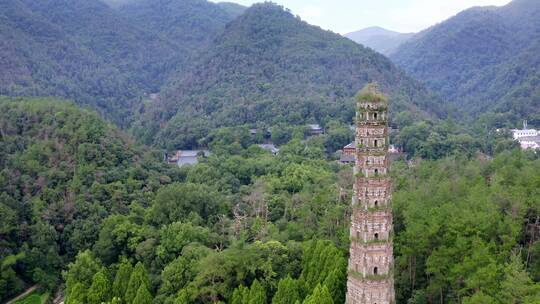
(311, 13)
(399, 15)
(420, 14)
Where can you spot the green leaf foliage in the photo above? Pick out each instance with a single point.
(77, 49)
(100, 290)
(319, 260)
(257, 294)
(64, 170)
(88, 200)
(139, 283)
(240, 295)
(143, 296)
(80, 277)
(287, 292)
(121, 279)
(320, 295)
(458, 222)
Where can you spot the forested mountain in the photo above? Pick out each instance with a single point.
(89, 52)
(381, 40)
(80, 50)
(191, 24)
(483, 59)
(270, 67)
(266, 61)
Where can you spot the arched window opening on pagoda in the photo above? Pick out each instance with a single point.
(375, 142)
(375, 270)
(376, 171)
(376, 203)
(375, 116)
(376, 236)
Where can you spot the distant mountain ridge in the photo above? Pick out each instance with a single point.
(270, 67)
(381, 40)
(485, 58)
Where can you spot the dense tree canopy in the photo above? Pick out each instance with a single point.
(270, 67)
(64, 170)
(483, 59)
(246, 226)
(465, 229)
(101, 57)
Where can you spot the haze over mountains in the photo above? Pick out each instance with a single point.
(381, 40)
(483, 59)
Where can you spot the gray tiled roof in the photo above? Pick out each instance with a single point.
(345, 158)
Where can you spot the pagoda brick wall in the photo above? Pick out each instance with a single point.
(370, 269)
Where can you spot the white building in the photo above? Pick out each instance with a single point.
(530, 142)
(270, 148)
(187, 157)
(517, 134)
(527, 138)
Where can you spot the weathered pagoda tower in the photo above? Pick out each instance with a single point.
(370, 279)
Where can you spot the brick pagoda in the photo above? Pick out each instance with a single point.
(370, 270)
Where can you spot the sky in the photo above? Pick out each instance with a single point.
(344, 16)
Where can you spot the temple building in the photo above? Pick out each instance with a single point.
(370, 269)
(527, 138)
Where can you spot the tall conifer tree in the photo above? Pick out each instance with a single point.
(139, 277)
(257, 294)
(287, 292)
(121, 279)
(143, 296)
(100, 290)
(320, 295)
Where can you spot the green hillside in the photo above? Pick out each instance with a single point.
(483, 59)
(269, 67)
(190, 24)
(91, 53)
(63, 170)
